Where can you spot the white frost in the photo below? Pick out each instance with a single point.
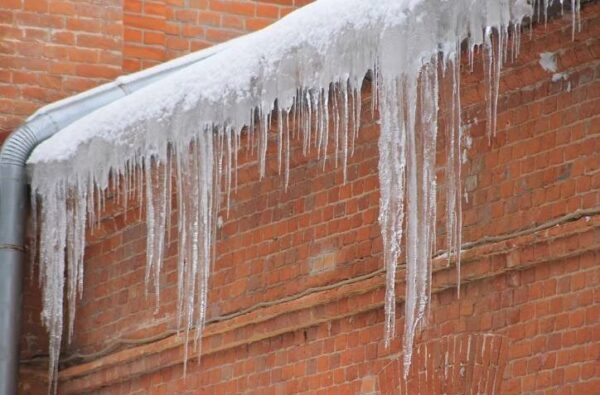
(306, 69)
(548, 62)
(559, 76)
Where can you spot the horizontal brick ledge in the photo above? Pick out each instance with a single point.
(478, 263)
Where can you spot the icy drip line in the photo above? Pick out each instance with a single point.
(197, 142)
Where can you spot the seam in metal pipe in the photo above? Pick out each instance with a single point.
(43, 124)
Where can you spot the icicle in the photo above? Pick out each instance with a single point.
(229, 136)
(493, 60)
(287, 151)
(421, 190)
(318, 118)
(345, 126)
(182, 180)
(161, 205)
(52, 267)
(307, 123)
(76, 221)
(453, 168)
(251, 127)
(321, 124)
(392, 170)
(169, 193)
(139, 166)
(150, 221)
(375, 89)
(157, 180)
(263, 143)
(34, 235)
(236, 148)
(279, 140)
(326, 128)
(576, 17)
(336, 123)
(357, 116)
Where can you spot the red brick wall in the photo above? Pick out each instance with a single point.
(551, 344)
(156, 31)
(296, 296)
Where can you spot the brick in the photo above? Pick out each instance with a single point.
(82, 55)
(267, 11)
(217, 35)
(94, 41)
(233, 7)
(154, 9)
(35, 5)
(143, 52)
(154, 38)
(257, 23)
(143, 22)
(12, 4)
(133, 35)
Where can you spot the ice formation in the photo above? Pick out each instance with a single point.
(548, 62)
(306, 69)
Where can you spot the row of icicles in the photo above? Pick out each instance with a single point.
(326, 120)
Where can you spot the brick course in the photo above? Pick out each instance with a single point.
(296, 294)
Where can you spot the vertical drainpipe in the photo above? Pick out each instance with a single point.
(12, 205)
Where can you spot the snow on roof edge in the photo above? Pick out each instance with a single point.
(385, 12)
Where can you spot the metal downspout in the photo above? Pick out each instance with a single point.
(13, 193)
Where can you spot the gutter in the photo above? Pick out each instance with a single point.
(42, 125)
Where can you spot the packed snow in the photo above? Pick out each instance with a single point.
(548, 62)
(306, 69)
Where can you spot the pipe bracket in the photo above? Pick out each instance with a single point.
(12, 247)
